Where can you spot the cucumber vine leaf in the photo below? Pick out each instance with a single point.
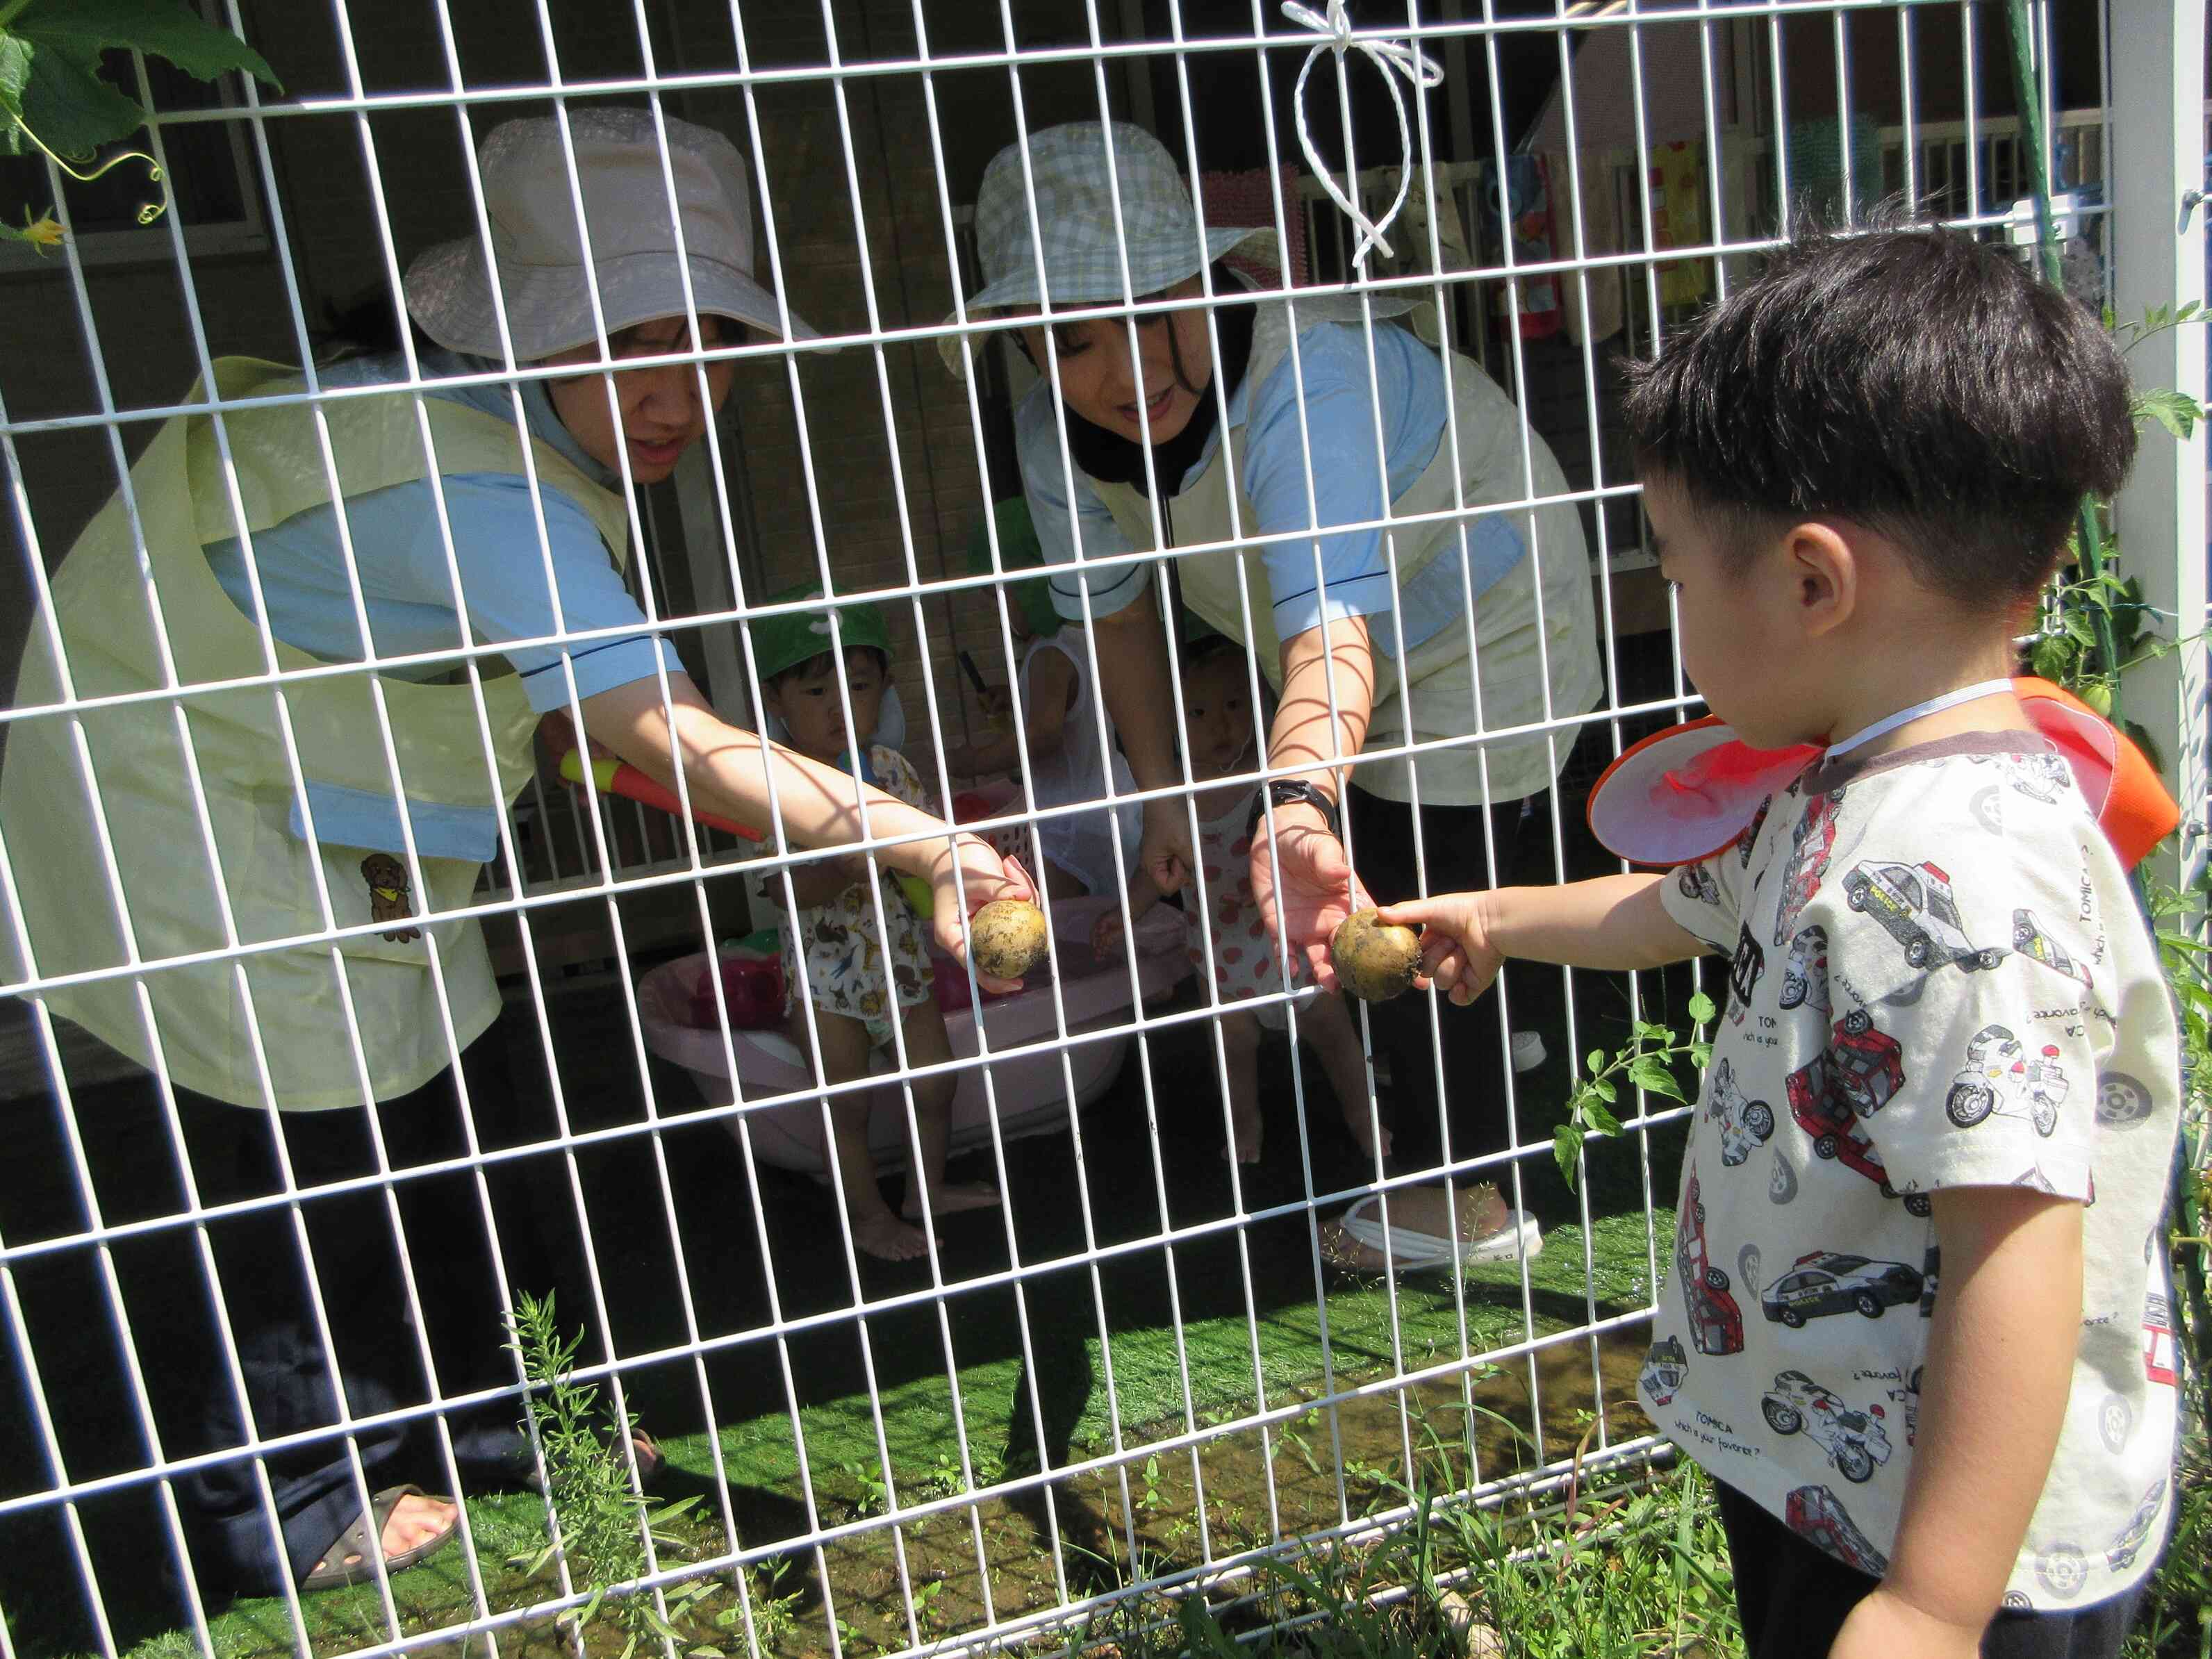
(55, 99)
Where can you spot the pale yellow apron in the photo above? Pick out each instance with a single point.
(1517, 661)
(270, 873)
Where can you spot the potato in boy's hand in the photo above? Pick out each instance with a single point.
(1455, 957)
(1373, 960)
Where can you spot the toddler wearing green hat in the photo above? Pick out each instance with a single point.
(861, 979)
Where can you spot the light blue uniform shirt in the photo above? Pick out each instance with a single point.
(408, 593)
(401, 554)
(1348, 488)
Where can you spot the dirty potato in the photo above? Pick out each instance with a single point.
(1009, 937)
(1374, 961)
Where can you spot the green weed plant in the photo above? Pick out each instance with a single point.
(601, 1524)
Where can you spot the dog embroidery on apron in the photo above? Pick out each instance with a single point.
(389, 897)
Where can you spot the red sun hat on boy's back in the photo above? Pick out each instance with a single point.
(1682, 794)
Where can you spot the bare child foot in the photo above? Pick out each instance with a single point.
(884, 1236)
(1246, 1130)
(954, 1197)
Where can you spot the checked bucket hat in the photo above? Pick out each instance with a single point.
(1075, 210)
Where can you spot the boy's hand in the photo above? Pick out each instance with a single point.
(1886, 1627)
(1456, 956)
(985, 876)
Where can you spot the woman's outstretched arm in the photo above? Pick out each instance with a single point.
(1329, 694)
(727, 771)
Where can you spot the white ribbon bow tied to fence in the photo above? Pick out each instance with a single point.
(1393, 60)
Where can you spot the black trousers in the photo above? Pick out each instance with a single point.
(1460, 853)
(1795, 1597)
(292, 1376)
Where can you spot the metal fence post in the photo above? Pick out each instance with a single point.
(2158, 260)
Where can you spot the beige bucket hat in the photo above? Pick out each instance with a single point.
(540, 250)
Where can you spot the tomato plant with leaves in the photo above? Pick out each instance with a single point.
(1647, 1063)
(55, 99)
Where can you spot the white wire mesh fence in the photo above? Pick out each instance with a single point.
(1147, 1361)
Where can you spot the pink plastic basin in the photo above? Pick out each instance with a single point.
(1032, 1089)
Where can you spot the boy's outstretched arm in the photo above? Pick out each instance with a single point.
(1993, 1394)
(1613, 923)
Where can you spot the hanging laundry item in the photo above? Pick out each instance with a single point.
(1428, 218)
(1521, 206)
(1814, 149)
(1248, 199)
(1676, 179)
(1595, 303)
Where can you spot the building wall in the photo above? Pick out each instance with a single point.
(890, 439)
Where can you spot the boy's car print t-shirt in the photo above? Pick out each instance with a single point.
(1937, 977)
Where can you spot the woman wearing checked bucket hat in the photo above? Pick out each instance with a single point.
(1174, 446)
(510, 529)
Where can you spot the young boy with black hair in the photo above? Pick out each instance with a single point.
(1859, 470)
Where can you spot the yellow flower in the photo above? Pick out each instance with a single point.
(44, 233)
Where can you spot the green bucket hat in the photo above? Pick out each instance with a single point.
(785, 641)
(1019, 549)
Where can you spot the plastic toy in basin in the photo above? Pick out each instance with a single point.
(1032, 1089)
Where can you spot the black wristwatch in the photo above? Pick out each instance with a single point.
(1282, 792)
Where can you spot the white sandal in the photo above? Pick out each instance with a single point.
(1411, 1251)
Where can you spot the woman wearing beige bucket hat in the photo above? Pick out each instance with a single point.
(510, 530)
(1364, 630)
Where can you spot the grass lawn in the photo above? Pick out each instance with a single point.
(1085, 1365)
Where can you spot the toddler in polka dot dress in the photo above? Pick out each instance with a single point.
(1219, 728)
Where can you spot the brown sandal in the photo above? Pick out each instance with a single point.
(363, 1543)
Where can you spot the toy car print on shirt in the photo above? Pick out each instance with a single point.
(1805, 974)
(1812, 838)
(2029, 940)
(1743, 1124)
(1857, 1441)
(2044, 777)
(1715, 1321)
(1854, 1077)
(1999, 1078)
(2129, 1540)
(1816, 1514)
(1888, 932)
(2160, 1363)
(1916, 906)
(1696, 882)
(1747, 837)
(1664, 1367)
(1825, 1282)
(2123, 1102)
